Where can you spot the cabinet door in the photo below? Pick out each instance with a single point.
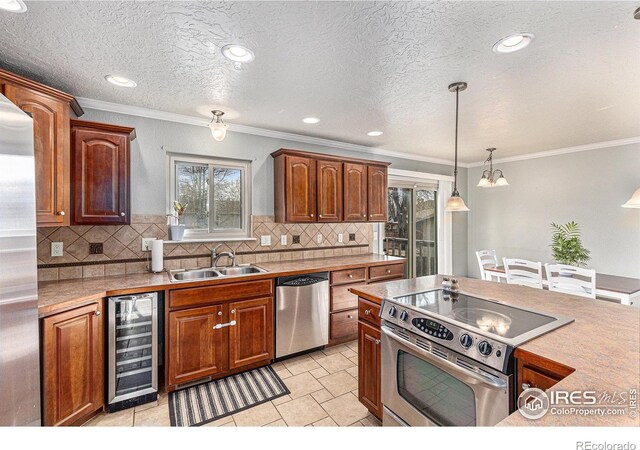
(251, 337)
(51, 150)
(329, 191)
(100, 176)
(377, 204)
(369, 368)
(197, 348)
(300, 189)
(73, 365)
(355, 192)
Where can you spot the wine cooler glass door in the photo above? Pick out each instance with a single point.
(132, 346)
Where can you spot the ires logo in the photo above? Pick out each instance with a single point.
(534, 403)
(560, 398)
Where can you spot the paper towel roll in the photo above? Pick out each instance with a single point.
(156, 255)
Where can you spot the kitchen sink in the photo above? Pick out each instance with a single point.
(240, 270)
(213, 272)
(197, 274)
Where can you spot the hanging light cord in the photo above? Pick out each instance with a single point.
(455, 168)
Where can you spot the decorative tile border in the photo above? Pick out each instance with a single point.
(122, 253)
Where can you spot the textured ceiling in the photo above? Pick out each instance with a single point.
(359, 66)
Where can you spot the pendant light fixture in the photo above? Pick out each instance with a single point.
(634, 201)
(492, 178)
(218, 127)
(455, 202)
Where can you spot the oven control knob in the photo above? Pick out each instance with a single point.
(392, 311)
(485, 348)
(404, 315)
(466, 340)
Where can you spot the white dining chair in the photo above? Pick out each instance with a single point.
(486, 258)
(523, 272)
(571, 280)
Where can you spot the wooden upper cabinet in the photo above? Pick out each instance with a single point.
(50, 111)
(337, 189)
(329, 191)
(196, 348)
(355, 192)
(100, 173)
(295, 189)
(377, 193)
(73, 365)
(251, 336)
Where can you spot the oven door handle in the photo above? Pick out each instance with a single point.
(485, 378)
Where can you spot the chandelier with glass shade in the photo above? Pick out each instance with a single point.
(217, 126)
(492, 178)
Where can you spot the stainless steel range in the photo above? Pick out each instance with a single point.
(447, 357)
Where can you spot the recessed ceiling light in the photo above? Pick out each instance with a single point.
(311, 120)
(16, 6)
(237, 53)
(513, 43)
(120, 81)
(375, 133)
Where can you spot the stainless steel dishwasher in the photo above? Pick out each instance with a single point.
(302, 313)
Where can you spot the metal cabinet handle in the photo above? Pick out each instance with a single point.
(525, 386)
(233, 311)
(122, 214)
(349, 316)
(377, 341)
(388, 270)
(219, 313)
(222, 325)
(311, 215)
(61, 213)
(319, 215)
(367, 312)
(364, 215)
(97, 313)
(350, 275)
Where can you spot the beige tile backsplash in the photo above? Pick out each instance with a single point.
(122, 244)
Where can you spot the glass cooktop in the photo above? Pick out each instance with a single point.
(489, 316)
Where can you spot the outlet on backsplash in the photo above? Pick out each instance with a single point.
(95, 248)
(57, 249)
(352, 237)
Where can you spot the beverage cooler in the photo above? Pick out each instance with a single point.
(134, 350)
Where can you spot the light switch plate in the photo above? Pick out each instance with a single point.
(375, 235)
(146, 244)
(57, 249)
(265, 241)
(319, 238)
(283, 239)
(340, 237)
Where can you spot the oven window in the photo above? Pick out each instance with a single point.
(441, 397)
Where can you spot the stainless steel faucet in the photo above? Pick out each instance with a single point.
(215, 257)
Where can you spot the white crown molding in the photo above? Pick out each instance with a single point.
(199, 121)
(411, 175)
(563, 151)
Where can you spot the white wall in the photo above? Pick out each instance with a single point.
(148, 165)
(587, 187)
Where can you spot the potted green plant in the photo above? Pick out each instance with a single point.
(177, 230)
(566, 245)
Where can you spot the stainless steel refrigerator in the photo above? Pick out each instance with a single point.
(19, 340)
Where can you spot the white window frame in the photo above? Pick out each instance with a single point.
(443, 220)
(244, 166)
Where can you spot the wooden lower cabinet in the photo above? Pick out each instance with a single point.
(534, 371)
(197, 348)
(73, 365)
(251, 337)
(369, 367)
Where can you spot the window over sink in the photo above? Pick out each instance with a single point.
(217, 193)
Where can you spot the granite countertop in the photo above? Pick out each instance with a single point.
(55, 296)
(602, 344)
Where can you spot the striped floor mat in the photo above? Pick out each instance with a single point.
(211, 401)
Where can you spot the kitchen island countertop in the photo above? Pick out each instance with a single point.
(602, 344)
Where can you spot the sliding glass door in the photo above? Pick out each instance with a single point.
(411, 230)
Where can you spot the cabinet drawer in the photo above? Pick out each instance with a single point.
(348, 276)
(343, 325)
(390, 271)
(211, 294)
(369, 312)
(342, 299)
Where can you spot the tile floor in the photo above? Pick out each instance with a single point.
(324, 393)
